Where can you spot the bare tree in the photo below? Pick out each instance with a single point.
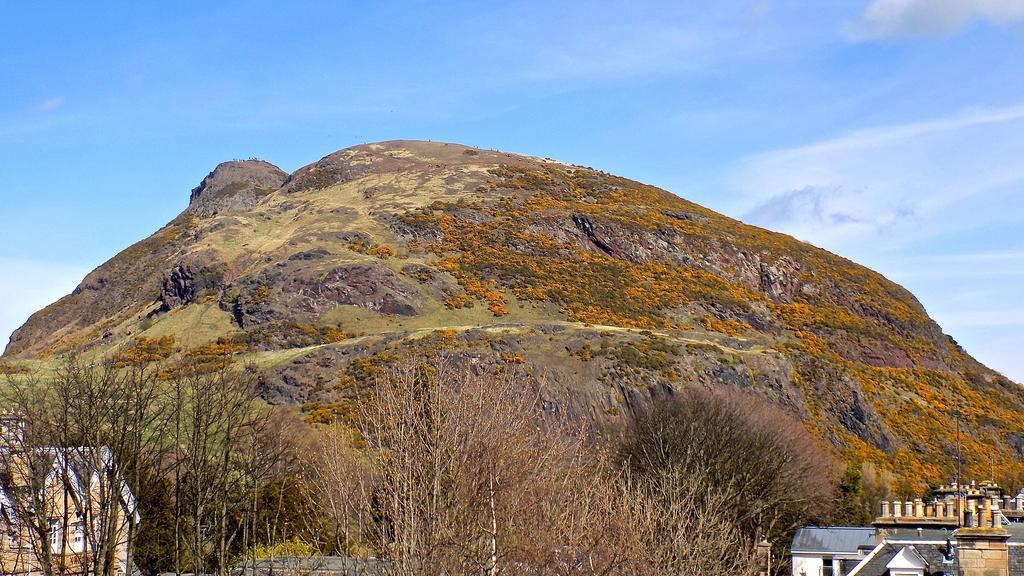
(752, 458)
(678, 523)
(268, 461)
(215, 414)
(29, 502)
(455, 469)
(73, 476)
(340, 477)
(461, 472)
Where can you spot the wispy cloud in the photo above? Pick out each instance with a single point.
(49, 104)
(616, 41)
(935, 205)
(813, 207)
(905, 180)
(891, 19)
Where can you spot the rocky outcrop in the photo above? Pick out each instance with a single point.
(780, 279)
(234, 187)
(298, 289)
(187, 283)
(592, 238)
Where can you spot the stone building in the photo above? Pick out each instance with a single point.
(60, 508)
(964, 530)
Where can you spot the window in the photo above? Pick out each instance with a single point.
(826, 568)
(79, 534)
(55, 535)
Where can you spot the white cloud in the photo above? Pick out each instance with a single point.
(934, 205)
(903, 181)
(27, 286)
(890, 19)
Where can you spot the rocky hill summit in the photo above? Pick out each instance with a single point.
(235, 186)
(611, 292)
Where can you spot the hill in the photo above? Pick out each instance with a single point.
(611, 291)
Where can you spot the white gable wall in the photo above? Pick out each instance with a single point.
(805, 564)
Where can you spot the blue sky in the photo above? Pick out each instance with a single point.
(888, 131)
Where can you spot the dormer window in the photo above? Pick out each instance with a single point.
(907, 562)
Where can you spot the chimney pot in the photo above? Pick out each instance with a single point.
(885, 508)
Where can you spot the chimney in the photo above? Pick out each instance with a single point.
(885, 508)
(918, 507)
(763, 550)
(908, 508)
(940, 509)
(897, 508)
(983, 551)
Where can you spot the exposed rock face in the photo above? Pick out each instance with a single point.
(294, 290)
(593, 238)
(618, 293)
(234, 187)
(187, 283)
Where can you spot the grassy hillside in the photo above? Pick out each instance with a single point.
(611, 291)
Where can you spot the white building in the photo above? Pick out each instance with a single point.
(830, 551)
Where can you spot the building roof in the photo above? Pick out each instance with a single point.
(934, 556)
(924, 534)
(1016, 560)
(833, 539)
(932, 552)
(928, 544)
(79, 468)
(313, 566)
(1016, 530)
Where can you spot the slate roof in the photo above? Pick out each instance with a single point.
(834, 539)
(1016, 560)
(926, 534)
(1016, 530)
(929, 543)
(932, 554)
